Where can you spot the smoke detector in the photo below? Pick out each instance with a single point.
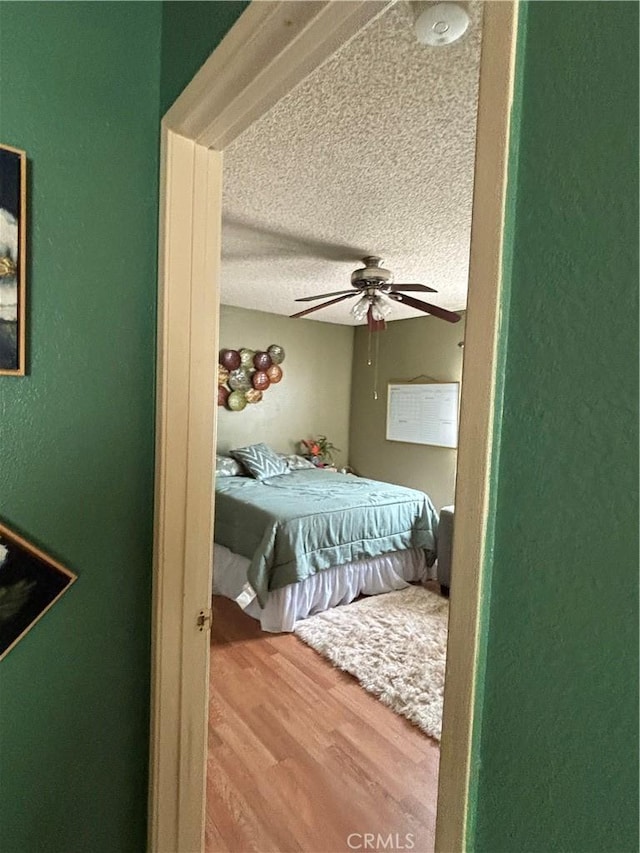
(441, 24)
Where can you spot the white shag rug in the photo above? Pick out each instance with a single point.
(395, 644)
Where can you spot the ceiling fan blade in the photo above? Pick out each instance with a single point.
(412, 302)
(422, 287)
(324, 295)
(323, 305)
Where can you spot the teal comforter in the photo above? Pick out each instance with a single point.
(296, 524)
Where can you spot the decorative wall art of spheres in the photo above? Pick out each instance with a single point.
(230, 358)
(260, 380)
(262, 361)
(236, 401)
(253, 395)
(239, 380)
(277, 353)
(246, 357)
(244, 375)
(223, 375)
(274, 373)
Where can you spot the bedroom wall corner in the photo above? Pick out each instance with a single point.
(314, 395)
(408, 348)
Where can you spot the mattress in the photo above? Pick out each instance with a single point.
(330, 588)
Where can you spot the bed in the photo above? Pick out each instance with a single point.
(290, 545)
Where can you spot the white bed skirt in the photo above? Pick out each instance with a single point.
(328, 588)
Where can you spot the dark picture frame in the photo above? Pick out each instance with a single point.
(13, 239)
(30, 583)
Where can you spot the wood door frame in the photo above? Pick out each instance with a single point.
(271, 48)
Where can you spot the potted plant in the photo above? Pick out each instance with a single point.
(319, 450)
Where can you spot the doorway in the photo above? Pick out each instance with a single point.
(265, 54)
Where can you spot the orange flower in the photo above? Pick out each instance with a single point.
(320, 448)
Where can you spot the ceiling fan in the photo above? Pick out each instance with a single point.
(377, 291)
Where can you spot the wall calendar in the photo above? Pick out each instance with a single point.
(423, 414)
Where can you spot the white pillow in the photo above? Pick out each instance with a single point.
(296, 462)
(227, 467)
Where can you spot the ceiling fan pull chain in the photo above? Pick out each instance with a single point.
(369, 347)
(375, 366)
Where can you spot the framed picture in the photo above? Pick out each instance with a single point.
(13, 228)
(30, 583)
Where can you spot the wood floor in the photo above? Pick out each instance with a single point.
(301, 758)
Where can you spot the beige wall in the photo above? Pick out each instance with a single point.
(314, 394)
(408, 348)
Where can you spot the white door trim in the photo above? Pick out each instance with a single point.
(271, 48)
(191, 197)
(478, 409)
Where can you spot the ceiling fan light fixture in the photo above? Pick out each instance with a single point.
(360, 309)
(380, 308)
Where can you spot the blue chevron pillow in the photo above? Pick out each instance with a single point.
(260, 461)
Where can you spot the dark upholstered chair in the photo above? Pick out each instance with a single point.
(445, 541)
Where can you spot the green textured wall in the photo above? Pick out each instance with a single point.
(190, 30)
(80, 91)
(556, 756)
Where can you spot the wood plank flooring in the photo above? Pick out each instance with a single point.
(301, 758)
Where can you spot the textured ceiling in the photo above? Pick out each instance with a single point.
(372, 154)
